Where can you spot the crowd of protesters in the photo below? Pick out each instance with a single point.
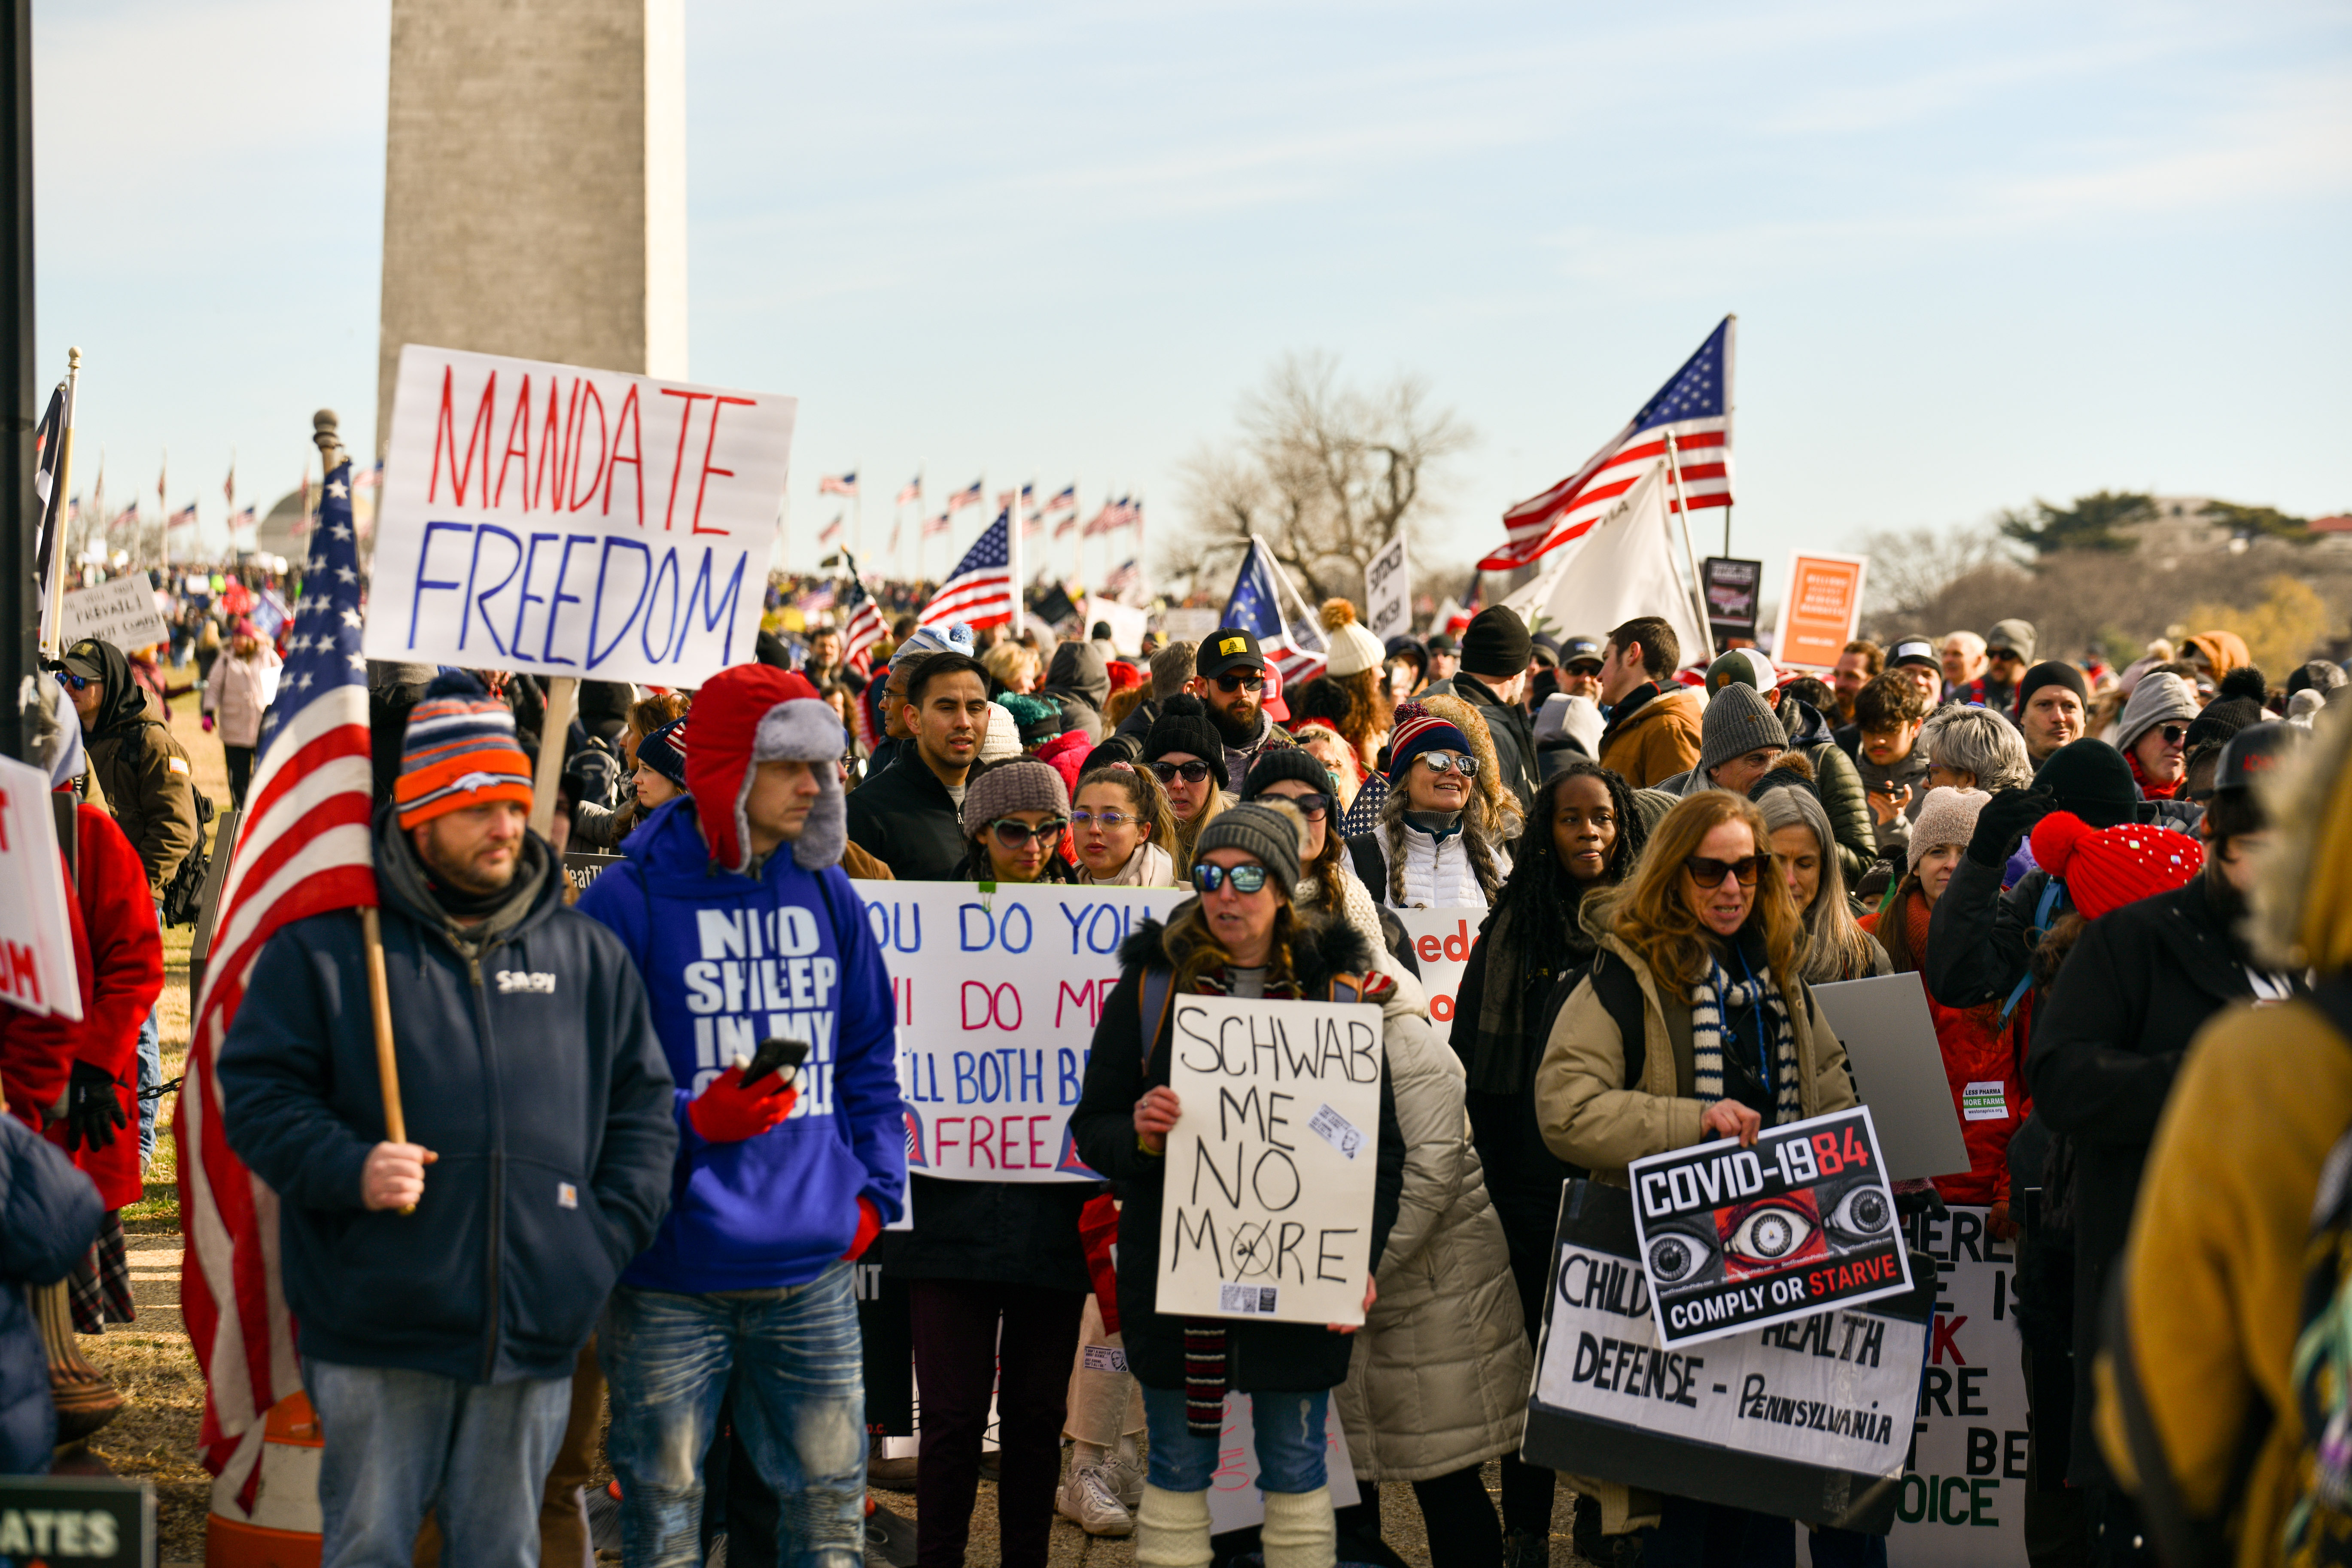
(600, 1203)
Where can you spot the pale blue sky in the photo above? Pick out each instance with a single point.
(1980, 251)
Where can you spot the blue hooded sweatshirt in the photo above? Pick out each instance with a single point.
(728, 961)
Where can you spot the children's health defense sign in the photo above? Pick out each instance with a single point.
(562, 521)
(1737, 1239)
(1268, 1211)
(997, 996)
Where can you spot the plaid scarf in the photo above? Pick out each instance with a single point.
(1712, 1000)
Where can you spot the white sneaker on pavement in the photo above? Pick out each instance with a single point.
(1091, 1498)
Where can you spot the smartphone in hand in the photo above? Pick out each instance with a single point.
(776, 1055)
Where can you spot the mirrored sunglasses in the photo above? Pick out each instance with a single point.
(1244, 878)
(1454, 761)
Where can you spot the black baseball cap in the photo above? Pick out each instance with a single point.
(1441, 643)
(1915, 650)
(83, 658)
(1545, 650)
(1227, 647)
(1574, 651)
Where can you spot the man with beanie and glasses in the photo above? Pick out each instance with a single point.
(444, 1287)
(734, 906)
(1494, 680)
(1230, 679)
(2153, 733)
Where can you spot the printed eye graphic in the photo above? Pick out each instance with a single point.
(1673, 1259)
(1770, 1234)
(1863, 1212)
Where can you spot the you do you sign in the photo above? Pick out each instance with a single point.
(1268, 1206)
(564, 521)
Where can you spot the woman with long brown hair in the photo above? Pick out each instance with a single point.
(1700, 957)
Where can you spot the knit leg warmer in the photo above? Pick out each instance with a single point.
(1172, 1530)
(1298, 1531)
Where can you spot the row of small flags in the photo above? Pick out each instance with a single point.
(1125, 513)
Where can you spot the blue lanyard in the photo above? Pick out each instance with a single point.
(1763, 1056)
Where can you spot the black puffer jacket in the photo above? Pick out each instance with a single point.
(1274, 1357)
(49, 1216)
(903, 817)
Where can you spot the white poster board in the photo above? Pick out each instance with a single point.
(1388, 591)
(1127, 623)
(1442, 940)
(997, 996)
(1963, 1499)
(120, 610)
(1267, 1208)
(37, 955)
(563, 520)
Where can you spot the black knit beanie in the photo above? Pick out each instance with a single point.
(1184, 726)
(2222, 720)
(2091, 779)
(1496, 645)
(2051, 673)
(1279, 763)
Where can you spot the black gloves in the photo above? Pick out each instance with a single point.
(2005, 820)
(92, 1112)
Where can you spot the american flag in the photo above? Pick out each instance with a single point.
(861, 625)
(968, 496)
(979, 592)
(1065, 499)
(184, 518)
(228, 485)
(1129, 576)
(939, 524)
(832, 531)
(914, 491)
(1124, 512)
(1695, 406)
(1294, 646)
(838, 485)
(125, 523)
(302, 849)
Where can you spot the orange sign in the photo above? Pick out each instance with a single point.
(1820, 611)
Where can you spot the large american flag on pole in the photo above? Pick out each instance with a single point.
(1695, 406)
(302, 849)
(979, 592)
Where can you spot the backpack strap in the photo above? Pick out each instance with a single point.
(1621, 993)
(1371, 866)
(2052, 889)
(1151, 1006)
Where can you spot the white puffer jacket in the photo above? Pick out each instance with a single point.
(1438, 1378)
(1437, 872)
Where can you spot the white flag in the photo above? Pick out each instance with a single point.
(1624, 567)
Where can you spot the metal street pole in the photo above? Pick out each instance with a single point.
(19, 606)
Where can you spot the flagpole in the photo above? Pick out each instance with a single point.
(1681, 511)
(1013, 558)
(56, 586)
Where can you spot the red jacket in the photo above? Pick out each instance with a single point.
(1981, 1059)
(118, 954)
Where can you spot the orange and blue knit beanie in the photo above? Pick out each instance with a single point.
(460, 752)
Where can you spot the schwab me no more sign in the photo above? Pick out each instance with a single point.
(1269, 1208)
(561, 521)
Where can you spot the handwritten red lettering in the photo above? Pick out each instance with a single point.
(708, 442)
(678, 463)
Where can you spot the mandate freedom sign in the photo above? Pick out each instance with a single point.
(1267, 1206)
(997, 995)
(1808, 1419)
(1737, 1239)
(570, 522)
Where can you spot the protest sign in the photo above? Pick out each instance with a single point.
(92, 1521)
(1737, 1239)
(120, 610)
(1962, 1501)
(582, 866)
(1235, 1500)
(1731, 586)
(1820, 611)
(1268, 1207)
(569, 521)
(1388, 591)
(1441, 939)
(1807, 1419)
(37, 955)
(997, 996)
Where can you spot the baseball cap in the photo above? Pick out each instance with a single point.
(1574, 651)
(1914, 650)
(1441, 643)
(1746, 665)
(83, 658)
(1545, 650)
(1227, 647)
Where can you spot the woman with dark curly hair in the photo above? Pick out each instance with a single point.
(1584, 834)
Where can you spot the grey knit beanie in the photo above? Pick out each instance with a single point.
(1946, 817)
(2162, 697)
(1023, 783)
(1269, 829)
(1737, 721)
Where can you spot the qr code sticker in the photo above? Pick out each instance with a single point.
(1250, 1301)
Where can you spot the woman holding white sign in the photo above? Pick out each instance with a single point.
(1242, 937)
(1694, 1024)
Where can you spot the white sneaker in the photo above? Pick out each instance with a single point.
(1124, 1469)
(1089, 1497)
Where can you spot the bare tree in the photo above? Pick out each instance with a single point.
(1325, 473)
(1911, 568)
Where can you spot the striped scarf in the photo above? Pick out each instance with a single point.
(1711, 1000)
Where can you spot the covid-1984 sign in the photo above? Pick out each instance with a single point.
(1735, 1239)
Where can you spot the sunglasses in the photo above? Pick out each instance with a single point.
(1313, 807)
(2175, 734)
(1244, 878)
(1232, 682)
(1112, 819)
(1013, 833)
(1709, 873)
(1451, 762)
(72, 682)
(1193, 772)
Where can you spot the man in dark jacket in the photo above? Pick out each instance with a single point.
(908, 815)
(144, 774)
(1080, 682)
(1494, 680)
(1230, 677)
(438, 1345)
(2113, 1028)
(735, 909)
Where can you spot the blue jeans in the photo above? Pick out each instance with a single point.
(400, 1442)
(1290, 1429)
(796, 1366)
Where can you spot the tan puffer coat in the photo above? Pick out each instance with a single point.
(1439, 1376)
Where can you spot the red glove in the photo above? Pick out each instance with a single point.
(869, 1226)
(726, 1112)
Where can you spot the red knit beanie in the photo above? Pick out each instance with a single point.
(2106, 868)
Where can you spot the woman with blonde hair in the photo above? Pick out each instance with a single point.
(1836, 946)
(1011, 667)
(1436, 844)
(1700, 957)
